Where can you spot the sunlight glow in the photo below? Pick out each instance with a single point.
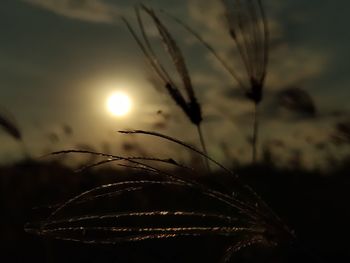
(119, 104)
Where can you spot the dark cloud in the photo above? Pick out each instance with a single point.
(87, 10)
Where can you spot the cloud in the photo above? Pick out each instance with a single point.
(295, 64)
(86, 10)
(290, 63)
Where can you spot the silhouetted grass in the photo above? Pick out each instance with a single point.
(175, 202)
(297, 100)
(248, 27)
(188, 101)
(10, 127)
(98, 216)
(341, 133)
(25, 185)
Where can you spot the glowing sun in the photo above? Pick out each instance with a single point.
(119, 104)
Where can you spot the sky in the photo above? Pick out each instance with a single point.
(61, 59)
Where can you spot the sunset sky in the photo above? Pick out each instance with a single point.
(60, 60)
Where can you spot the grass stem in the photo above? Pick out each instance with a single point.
(255, 133)
(201, 138)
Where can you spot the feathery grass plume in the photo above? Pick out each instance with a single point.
(186, 100)
(173, 206)
(341, 133)
(10, 127)
(297, 100)
(248, 27)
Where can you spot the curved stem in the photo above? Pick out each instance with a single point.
(201, 138)
(255, 133)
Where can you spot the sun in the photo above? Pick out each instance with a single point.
(119, 104)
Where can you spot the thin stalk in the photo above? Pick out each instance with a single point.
(255, 133)
(201, 138)
(25, 151)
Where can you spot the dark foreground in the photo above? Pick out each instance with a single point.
(316, 206)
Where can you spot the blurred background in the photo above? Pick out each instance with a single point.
(62, 62)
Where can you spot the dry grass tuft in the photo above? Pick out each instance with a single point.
(185, 97)
(248, 27)
(113, 213)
